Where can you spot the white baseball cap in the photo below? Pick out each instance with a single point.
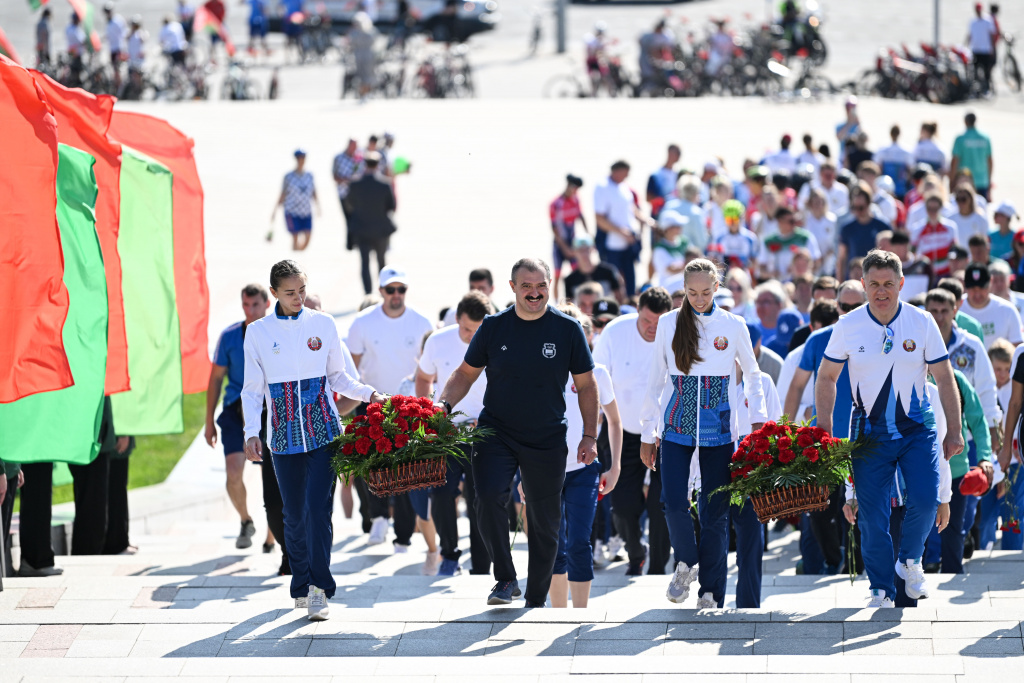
(390, 275)
(1007, 209)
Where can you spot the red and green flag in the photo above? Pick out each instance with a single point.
(146, 244)
(64, 425)
(206, 21)
(36, 4)
(86, 12)
(6, 49)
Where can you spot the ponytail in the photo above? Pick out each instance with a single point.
(686, 341)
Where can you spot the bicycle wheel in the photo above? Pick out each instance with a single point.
(1011, 73)
(563, 86)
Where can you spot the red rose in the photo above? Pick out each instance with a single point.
(401, 441)
(425, 402)
(805, 439)
(350, 428)
(373, 408)
(376, 419)
(383, 445)
(745, 443)
(769, 427)
(407, 411)
(761, 444)
(375, 432)
(363, 445)
(738, 455)
(811, 454)
(785, 442)
(361, 431)
(359, 418)
(347, 449)
(402, 424)
(786, 456)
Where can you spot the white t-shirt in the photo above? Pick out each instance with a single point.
(574, 418)
(971, 224)
(662, 259)
(888, 389)
(388, 347)
(824, 230)
(838, 197)
(782, 160)
(929, 153)
(116, 32)
(627, 357)
(815, 159)
(442, 354)
(982, 33)
(789, 367)
(999, 319)
(615, 202)
(137, 48)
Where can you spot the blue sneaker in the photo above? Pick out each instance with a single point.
(504, 592)
(449, 568)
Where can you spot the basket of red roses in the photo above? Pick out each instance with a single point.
(786, 469)
(400, 445)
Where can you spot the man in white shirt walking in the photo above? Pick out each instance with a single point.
(117, 32)
(981, 36)
(626, 348)
(999, 318)
(385, 342)
(618, 221)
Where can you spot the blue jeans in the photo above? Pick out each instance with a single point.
(712, 555)
(579, 504)
(306, 480)
(874, 474)
(947, 548)
(993, 508)
(623, 260)
(749, 553)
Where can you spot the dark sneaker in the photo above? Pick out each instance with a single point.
(504, 592)
(245, 535)
(636, 568)
(530, 604)
(932, 567)
(449, 568)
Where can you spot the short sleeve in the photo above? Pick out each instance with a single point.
(813, 247)
(836, 349)
(600, 200)
(808, 361)
(354, 341)
(580, 360)
(220, 356)
(428, 364)
(476, 354)
(1018, 368)
(845, 238)
(605, 390)
(958, 146)
(934, 348)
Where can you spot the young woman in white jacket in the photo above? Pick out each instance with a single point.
(293, 361)
(696, 350)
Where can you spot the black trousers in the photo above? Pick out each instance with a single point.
(350, 239)
(495, 462)
(273, 504)
(446, 517)
(117, 507)
(628, 504)
(377, 245)
(36, 514)
(827, 527)
(6, 514)
(371, 506)
(92, 488)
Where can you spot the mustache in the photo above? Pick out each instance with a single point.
(533, 298)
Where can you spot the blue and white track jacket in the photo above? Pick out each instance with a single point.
(293, 364)
(698, 413)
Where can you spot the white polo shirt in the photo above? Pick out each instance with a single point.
(889, 397)
(626, 355)
(998, 319)
(615, 202)
(388, 346)
(442, 354)
(574, 418)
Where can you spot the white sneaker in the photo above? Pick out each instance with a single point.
(318, 610)
(378, 531)
(302, 603)
(614, 547)
(400, 549)
(878, 599)
(679, 587)
(600, 557)
(912, 571)
(707, 601)
(432, 563)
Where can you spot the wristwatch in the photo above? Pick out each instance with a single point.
(447, 407)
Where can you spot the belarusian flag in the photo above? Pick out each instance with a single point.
(206, 21)
(6, 49)
(36, 4)
(64, 425)
(86, 12)
(146, 244)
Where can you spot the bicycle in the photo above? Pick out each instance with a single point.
(1011, 69)
(238, 84)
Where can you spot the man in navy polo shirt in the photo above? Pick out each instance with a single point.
(529, 350)
(229, 361)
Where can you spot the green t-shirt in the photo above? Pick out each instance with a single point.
(974, 149)
(969, 324)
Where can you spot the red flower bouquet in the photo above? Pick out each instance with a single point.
(400, 445)
(786, 468)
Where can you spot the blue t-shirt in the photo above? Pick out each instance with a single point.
(860, 238)
(528, 363)
(814, 351)
(230, 355)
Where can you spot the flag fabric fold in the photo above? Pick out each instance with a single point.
(205, 20)
(83, 122)
(31, 259)
(63, 425)
(171, 147)
(6, 49)
(146, 244)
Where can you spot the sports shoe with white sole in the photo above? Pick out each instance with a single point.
(302, 603)
(679, 587)
(600, 558)
(431, 564)
(614, 547)
(379, 531)
(878, 599)
(707, 601)
(318, 610)
(912, 571)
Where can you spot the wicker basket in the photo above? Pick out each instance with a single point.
(419, 474)
(786, 502)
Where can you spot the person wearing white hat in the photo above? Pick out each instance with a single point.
(1001, 239)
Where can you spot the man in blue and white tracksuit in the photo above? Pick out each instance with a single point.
(889, 349)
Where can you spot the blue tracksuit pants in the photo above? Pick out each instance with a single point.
(579, 505)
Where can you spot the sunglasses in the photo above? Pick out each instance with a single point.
(887, 345)
(393, 290)
(846, 308)
(963, 199)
